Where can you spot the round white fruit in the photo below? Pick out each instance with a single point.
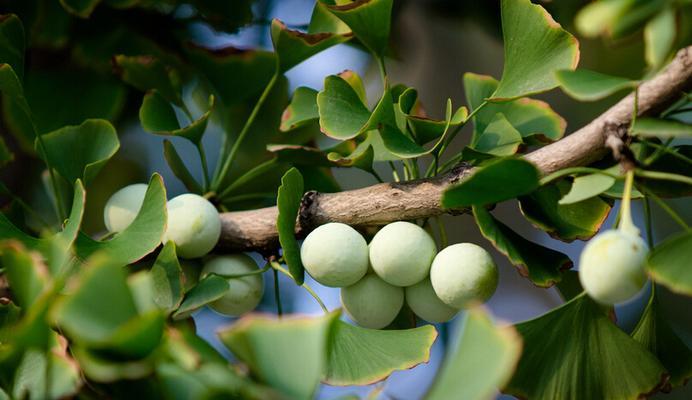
(193, 224)
(463, 273)
(335, 255)
(123, 206)
(371, 302)
(423, 301)
(401, 253)
(611, 266)
(244, 294)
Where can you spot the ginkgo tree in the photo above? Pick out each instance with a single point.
(111, 315)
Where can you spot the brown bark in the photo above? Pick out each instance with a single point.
(387, 202)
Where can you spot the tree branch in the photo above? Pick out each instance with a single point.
(387, 202)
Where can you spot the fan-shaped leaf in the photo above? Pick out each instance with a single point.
(303, 109)
(342, 112)
(147, 73)
(669, 263)
(208, 289)
(369, 20)
(288, 201)
(586, 187)
(586, 85)
(167, 277)
(293, 47)
(499, 138)
(12, 43)
(157, 116)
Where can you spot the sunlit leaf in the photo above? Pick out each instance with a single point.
(669, 262)
(293, 47)
(369, 20)
(655, 333)
(543, 266)
(586, 85)
(303, 109)
(659, 37)
(587, 186)
(483, 360)
(598, 17)
(567, 222)
(496, 181)
(661, 128)
(342, 113)
(79, 152)
(576, 352)
(324, 21)
(359, 356)
(140, 238)
(289, 354)
(535, 47)
(288, 201)
(499, 138)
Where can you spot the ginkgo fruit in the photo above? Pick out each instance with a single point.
(463, 273)
(371, 302)
(423, 301)
(193, 224)
(123, 206)
(244, 293)
(611, 266)
(335, 255)
(401, 253)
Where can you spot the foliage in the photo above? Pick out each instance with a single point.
(90, 316)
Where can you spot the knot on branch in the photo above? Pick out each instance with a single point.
(617, 140)
(305, 214)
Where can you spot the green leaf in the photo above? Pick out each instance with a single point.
(499, 138)
(483, 360)
(324, 21)
(659, 37)
(670, 163)
(342, 112)
(587, 85)
(496, 181)
(147, 73)
(669, 263)
(207, 290)
(140, 238)
(288, 354)
(535, 47)
(426, 129)
(80, 8)
(587, 186)
(79, 152)
(598, 17)
(655, 333)
(576, 352)
(6, 155)
(177, 166)
(293, 47)
(12, 43)
(167, 277)
(566, 222)
(360, 356)
(369, 20)
(534, 119)
(15, 108)
(158, 116)
(301, 110)
(26, 273)
(661, 128)
(289, 198)
(362, 157)
(100, 368)
(543, 266)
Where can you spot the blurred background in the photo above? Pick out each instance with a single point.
(433, 43)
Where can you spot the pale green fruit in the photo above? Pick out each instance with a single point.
(193, 224)
(401, 253)
(244, 294)
(123, 206)
(335, 255)
(611, 266)
(423, 301)
(463, 273)
(371, 302)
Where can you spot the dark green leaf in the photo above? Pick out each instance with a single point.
(586, 187)
(342, 113)
(483, 361)
(80, 8)
(543, 266)
(493, 182)
(167, 278)
(586, 85)
(535, 47)
(293, 47)
(499, 138)
(6, 155)
(15, 108)
(26, 273)
(100, 368)
(12, 43)
(289, 354)
(565, 222)
(177, 166)
(655, 333)
(427, 129)
(208, 289)
(360, 356)
(79, 152)
(158, 117)
(670, 163)
(578, 343)
(368, 19)
(303, 109)
(288, 201)
(669, 263)
(362, 157)
(147, 73)
(140, 238)
(661, 128)
(228, 16)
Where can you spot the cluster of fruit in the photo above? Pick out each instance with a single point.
(401, 263)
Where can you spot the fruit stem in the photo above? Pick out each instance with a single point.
(626, 223)
(277, 294)
(278, 267)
